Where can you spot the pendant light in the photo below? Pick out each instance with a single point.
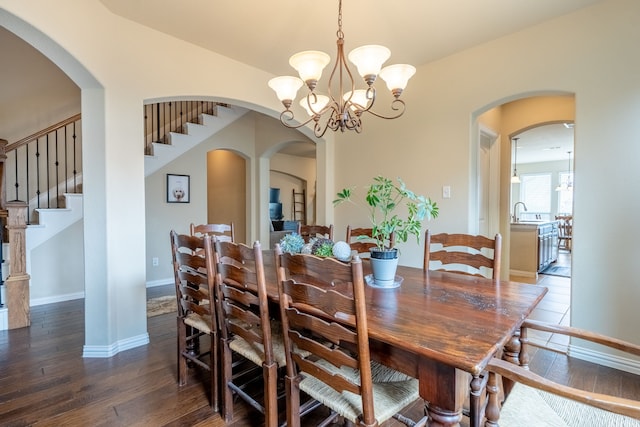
(569, 185)
(515, 179)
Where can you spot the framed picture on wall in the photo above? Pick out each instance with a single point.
(178, 188)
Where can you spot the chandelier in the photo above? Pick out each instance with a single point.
(345, 110)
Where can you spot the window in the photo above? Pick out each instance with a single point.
(535, 192)
(565, 195)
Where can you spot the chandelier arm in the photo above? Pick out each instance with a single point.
(287, 116)
(394, 107)
(352, 121)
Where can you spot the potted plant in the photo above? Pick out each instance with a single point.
(383, 198)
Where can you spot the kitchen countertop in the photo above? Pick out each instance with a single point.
(532, 223)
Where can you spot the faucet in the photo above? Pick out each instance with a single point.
(515, 210)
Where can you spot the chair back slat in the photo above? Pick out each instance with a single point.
(193, 284)
(221, 231)
(310, 231)
(360, 240)
(463, 253)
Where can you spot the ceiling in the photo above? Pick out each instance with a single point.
(266, 33)
(545, 143)
(416, 31)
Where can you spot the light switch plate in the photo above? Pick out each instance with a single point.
(446, 191)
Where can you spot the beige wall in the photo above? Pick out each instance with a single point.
(588, 53)
(226, 191)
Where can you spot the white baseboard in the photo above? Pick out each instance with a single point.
(57, 298)
(106, 351)
(4, 319)
(160, 282)
(613, 361)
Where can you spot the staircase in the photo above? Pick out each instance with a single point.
(192, 134)
(57, 208)
(52, 221)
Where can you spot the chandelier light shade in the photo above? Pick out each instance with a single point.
(286, 88)
(345, 110)
(515, 179)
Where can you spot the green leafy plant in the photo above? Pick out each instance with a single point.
(322, 247)
(382, 199)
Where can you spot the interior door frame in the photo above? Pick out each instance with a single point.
(485, 183)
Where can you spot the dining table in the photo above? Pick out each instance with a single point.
(441, 328)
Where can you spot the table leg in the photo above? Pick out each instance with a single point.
(444, 389)
(512, 353)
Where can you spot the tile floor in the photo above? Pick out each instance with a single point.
(554, 308)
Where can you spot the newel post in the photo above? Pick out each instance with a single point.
(3, 159)
(3, 209)
(17, 284)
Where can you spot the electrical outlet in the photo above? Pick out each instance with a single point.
(446, 192)
(155, 261)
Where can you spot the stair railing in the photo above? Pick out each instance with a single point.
(162, 118)
(44, 166)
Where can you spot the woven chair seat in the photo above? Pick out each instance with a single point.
(199, 322)
(255, 351)
(392, 391)
(527, 406)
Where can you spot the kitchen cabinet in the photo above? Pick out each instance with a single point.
(533, 247)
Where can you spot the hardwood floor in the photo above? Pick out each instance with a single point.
(44, 381)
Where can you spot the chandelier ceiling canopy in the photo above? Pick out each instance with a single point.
(343, 105)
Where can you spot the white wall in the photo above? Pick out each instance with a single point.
(242, 137)
(58, 275)
(590, 53)
(113, 75)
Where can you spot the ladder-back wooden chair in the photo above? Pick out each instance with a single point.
(224, 232)
(246, 329)
(474, 255)
(361, 241)
(565, 231)
(323, 313)
(310, 231)
(463, 253)
(194, 282)
(533, 399)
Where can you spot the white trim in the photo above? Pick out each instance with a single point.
(160, 282)
(4, 319)
(605, 359)
(56, 298)
(105, 351)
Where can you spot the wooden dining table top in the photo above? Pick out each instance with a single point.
(449, 318)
